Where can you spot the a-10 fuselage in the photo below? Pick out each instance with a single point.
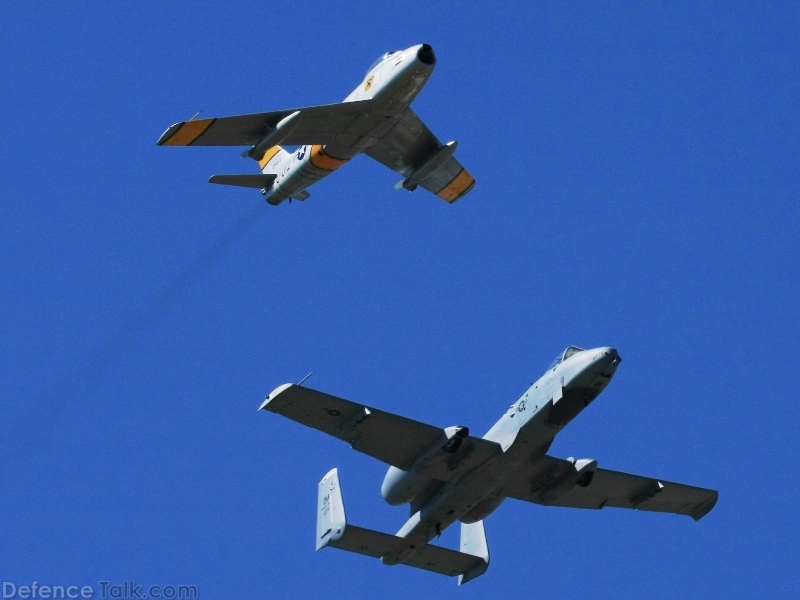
(393, 82)
(525, 433)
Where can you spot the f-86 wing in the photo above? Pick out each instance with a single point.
(311, 125)
(411, 149)
(579, 484)
(443, 454)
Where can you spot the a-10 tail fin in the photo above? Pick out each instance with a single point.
(333, 530)
(331, 520)
(473, 543)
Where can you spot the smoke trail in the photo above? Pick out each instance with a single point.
(60, 398)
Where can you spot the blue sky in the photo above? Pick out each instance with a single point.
(637, 173)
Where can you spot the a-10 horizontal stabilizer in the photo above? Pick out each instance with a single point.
(333, 530)
(258, 181)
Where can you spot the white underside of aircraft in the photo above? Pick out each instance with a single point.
(375, 119)
(447, 475)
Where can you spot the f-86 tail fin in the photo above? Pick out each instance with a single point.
(333, 530)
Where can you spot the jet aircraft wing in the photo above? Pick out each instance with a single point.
(608, 488)
(398, 441)
(408, 145)
(316, 125)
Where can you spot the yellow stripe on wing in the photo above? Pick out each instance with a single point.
(462, 184)
(189, 132)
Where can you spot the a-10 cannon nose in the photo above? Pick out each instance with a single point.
(581, 379)
(584, 367)
(607, 360)
(425, 55)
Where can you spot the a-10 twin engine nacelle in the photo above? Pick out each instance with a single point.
(401, 486)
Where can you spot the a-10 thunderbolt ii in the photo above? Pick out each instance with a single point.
(375, 119)
(447, 475)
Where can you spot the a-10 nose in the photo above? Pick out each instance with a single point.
(612, 354)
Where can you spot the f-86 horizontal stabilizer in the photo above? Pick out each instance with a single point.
(333, 530)
(259, 181)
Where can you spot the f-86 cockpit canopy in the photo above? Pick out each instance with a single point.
(380, 59)
(571, 351)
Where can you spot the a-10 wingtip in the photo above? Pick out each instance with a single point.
(273, 394)
(703, 509)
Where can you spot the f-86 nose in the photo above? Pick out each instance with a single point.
(425, 55)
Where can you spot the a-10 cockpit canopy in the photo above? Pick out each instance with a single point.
(380, 59)
(572, 350)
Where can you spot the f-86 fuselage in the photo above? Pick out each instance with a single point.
(391, 84)
(447, 475)
(375, 119)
